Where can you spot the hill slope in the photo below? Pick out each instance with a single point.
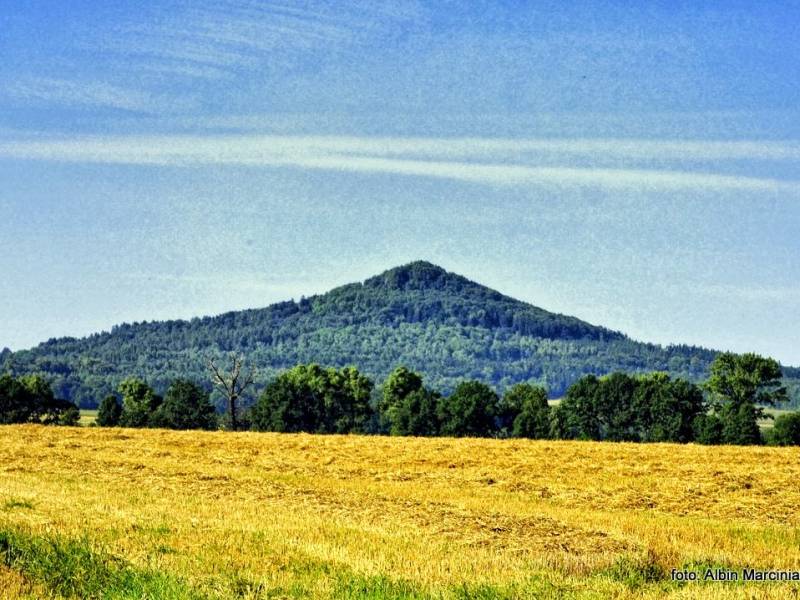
(441, 324)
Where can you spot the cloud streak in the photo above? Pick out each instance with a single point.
(74, 93)
(153, 62)
(205, 41)
(478, 160)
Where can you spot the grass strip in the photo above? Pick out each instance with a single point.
(72, 569)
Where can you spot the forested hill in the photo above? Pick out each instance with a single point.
(438, 323)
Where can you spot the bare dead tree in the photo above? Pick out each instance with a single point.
(233, 383)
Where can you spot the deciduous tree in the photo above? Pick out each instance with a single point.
(233, 383)
(400, 383)
(186, 406)
(469, 411)
(139, 402)
(109, 412)
(740, 385)
(531, 413)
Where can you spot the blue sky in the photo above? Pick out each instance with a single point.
(636, 167)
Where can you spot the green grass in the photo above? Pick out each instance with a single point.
(72, 569)
(69, 568)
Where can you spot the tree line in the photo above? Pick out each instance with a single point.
(310, 398)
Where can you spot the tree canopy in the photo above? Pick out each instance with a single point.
(524, 412)
(316, 400)
(109, 412)
(30, 399)
(740, 385)
(469, 411)
(786, 430)
(653, 407)
(139, 402)
(621, 407)
(186, 406)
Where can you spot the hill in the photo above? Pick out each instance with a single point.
(441, 324)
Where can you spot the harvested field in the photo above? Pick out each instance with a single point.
(251, 515)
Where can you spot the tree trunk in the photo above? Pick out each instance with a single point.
(232, 411)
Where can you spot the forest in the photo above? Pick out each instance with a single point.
(439, 324)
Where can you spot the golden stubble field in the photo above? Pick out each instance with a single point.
(279, 515)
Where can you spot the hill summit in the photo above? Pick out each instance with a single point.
(418, 275)
(419, 315)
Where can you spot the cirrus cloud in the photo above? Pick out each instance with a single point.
(479, 160)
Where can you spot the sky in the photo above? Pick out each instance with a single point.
(635, 166)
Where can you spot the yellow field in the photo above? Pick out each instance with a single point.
(274, 515)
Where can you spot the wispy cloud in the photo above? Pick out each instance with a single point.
(76, 93)
(212, 41)
(152, 61)
(480, 160)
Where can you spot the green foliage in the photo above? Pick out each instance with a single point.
(440, 325)
(620, 407)
(523, 412)
(417, 414)
(786, 431)
(746, 379)
(347, 397)
(707, 429)
(469, 411)
(740, 383)
(407, 407)
(16, 403)
(139, 402)
(48, 409)
(109, 413)
(740, 424)
(666, 409)
(29, 399)
(314, 399)
(576, 417)
(616, 410)
(286, 406)
(186, 406)
(69, 415)
(400, 383)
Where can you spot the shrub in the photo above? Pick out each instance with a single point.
(786, 431)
